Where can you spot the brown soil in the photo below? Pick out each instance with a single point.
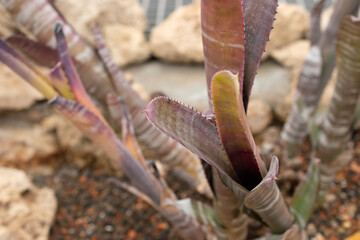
(91, 207)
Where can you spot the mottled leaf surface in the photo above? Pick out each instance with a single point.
(71, 73)
(305, 196)
(315, 20)
(119, 113)
(24, 70)
(102, 135)
(191, 129)
(266, 200)
(328, 39)
(36, 51)
(222, 27)
(337, 121)
(259, 18)
(234, 129)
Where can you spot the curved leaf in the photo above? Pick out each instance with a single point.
(103, 136)
(337, 121)
(163, 148)
(259, 17)
(234, 130)
(116, 106)
(305, 196)
(315, 19)
(36, 51)
(14, 61)
(74, 81)
(39, 17)
(60, 82)
(266, 200)
(191, 129)
(222, 27)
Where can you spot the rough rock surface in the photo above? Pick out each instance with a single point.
(83, 13)
(15, 93)
(26, 212)
(272, 83)
(22, 145)
(74, 146)
(178, 38)
(292, 55)
(259, 115)
(123, 22)
(5, 23)
(292, 23)
(127, 44)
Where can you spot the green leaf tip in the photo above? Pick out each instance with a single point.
(234, 129)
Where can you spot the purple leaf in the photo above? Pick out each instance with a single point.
(16, 63)
(234, 130)
(71, 73)
(39, 17)
(36, 51)
(222, 26)
(103, 136)
(266, 200)
(190, 129)
(164, 148)
(315, 19)
(121, 115)
(259, 18)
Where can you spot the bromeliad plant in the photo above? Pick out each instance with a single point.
(99, 79)
(234, 37)
(329, 135)
(65, 92)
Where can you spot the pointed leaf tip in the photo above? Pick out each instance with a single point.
(57, 27)
(71, 73)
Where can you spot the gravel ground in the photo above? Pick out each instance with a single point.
(91, 207)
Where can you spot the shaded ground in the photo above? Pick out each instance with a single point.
(91, 207)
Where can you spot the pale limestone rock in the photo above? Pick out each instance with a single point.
(259, 115)
(17, 234)
(82, 14)
(15, 93)
(127, 44)
(272, 83)
(292, 55)
(291, 24)
(26, 212)
(21, 145)
(6, 25)
(73, 143)
(123, 23)
(178, 38)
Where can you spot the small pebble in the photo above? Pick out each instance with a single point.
(109, 228)
(311, 229)
(347, 224)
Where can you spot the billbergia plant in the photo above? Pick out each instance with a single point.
(39, 17)
(242, 186)
(337, 46)
(234, 37)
